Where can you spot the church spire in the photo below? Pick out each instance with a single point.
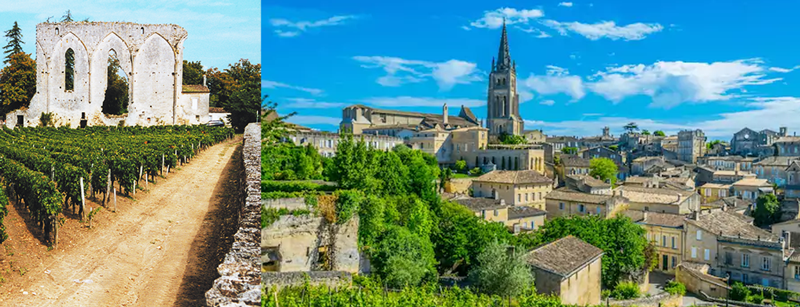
(503, 55)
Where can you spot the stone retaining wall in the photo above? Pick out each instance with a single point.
(284, 279)
(239, 284)
(290, 204)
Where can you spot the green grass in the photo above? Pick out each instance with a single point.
(460, 175)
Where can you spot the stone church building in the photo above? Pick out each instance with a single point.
(150, 56)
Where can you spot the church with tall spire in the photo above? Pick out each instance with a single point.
(503, 101)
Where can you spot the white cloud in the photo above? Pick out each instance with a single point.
(494, 19)
(524, 96)
(302, 26)
(605, 29)
(566, 4)
(306, 103)
(783, 70)
(672, 83)
(407, 101)
(273, 84)
(539, 33)
(547, 102)
(466, 28)
(557, 80)
(400, 71)
(314, 120)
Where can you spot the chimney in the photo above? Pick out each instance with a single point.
(694, 215)
(502, 202)
(444, 113)
(782, 131)
(496, 195)
(644, 215)
(204, 80)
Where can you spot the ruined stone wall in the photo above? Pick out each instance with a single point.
(290, 204)
(284, 279)
(240, 279)
(150, 55)
(297, 240)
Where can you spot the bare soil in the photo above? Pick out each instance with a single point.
(160, 248)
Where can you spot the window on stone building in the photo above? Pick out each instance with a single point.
(581, 208)
(115, 101)
(796, 272)
(69, 70)
(495, 212)
(673, 243)
(745, 260)
(707, 254)
(694, 252)
(664, 241)
(560, 206)
(699, 235)
(765, 263)
(728, 258)
(674, 261)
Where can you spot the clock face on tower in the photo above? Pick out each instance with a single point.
(746, 135)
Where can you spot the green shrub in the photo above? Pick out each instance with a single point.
(755, 298)
(475, 172)
(674, 287)
(347, 203)
(739, 292)
(605, 293)
(626, 290)
(294, 186)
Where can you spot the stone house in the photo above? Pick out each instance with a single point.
(587, 184)
(561, 142)
(449, 146)
(327, 142)
(602, 152)
(606, 139)
(792, 187)
(356, 118)
(516, 218)
(788, 146)
(566, 202)
(518, 188)
(691, 145)
(790, 232)
(534, 136)
(527, 157)
(642, 164)
(660, 200)
(774, 169)
(751, 188)
(665, 231)
(730, 244)
(711, 192)
(568, 268)
(574, 165)
(728, 163)
(745, 142)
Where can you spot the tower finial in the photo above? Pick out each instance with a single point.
(503, 55)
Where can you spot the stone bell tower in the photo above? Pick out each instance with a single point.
(503, 102)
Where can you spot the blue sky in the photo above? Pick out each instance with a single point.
(581, 65)
(220, 31)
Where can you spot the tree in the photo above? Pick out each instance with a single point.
(604, 169)
(500, 272)
(444, 177)
(116, 97)
(67, 17)
(220, 84)
(510, 139)
(461, 165)
(393, 174)
(645, 132)
(403, 258)
(244, 102)
(767, 210)
(273, 128)
(631, 127)
(14, 38)
(614, 147)
(192, 72)
(739, 292)
(17, 82)
(659, 133)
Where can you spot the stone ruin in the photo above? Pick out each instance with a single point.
(151, 57)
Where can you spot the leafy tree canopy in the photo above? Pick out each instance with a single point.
(192, 73)
(17, 82)
(500, 272)
(767, 210)
(659, 133)
(604, 169)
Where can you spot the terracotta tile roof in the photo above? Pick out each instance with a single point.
(563, 256)
(515, 177)
(663, 219)
(732, 225)
(195, 88)
(571, 195)
(638, 179)
(516, 212)
(480, 204)
(654, 195)
(753, 182)
(776, 161)
(574, 161)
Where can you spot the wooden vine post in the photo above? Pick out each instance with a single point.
(83, 201)
(108, 189)
(115, 199)
(162, 165)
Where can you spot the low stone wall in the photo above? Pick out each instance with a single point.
(663, 300)
(290, 204)
(240, 278)
(285, 279)
(721, 302)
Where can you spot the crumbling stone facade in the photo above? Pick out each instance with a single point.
(150, 55)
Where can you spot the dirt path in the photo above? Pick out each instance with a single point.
(160, 248)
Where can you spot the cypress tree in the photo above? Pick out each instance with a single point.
(14, 37)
